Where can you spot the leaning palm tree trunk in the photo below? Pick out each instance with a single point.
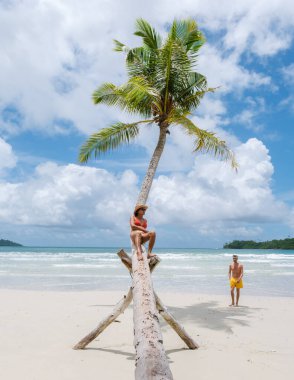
(147, 183)
(151, 359)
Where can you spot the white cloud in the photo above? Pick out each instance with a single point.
(7, 158)
(88, 201)
(223, 69)
(230, 230)
(288, 72)
(68, 195)
(255, 107)
(287, 103)
(212, 192)
(247, 33)
(261, 27)
(54, 54)
(178, 153)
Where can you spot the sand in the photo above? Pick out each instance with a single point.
(38, 330)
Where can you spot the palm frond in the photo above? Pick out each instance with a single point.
(162, 84)
(193, 39)
(107, 93)
(112, 95)
(140, 94)
(206, 142)
(192, 101)
(135, 96)
(138, 62)
(118, 46)
(196, 82)
(173, 69)
(190, 37)
(176, 61)
(108, 139)
(151, 39)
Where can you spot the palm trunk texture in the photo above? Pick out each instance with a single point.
(147, 183)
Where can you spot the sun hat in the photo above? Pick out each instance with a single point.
(137, 207)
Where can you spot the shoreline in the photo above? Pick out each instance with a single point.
(186, 292)
(41, 327)
(201, 272)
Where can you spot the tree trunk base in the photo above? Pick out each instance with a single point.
(151, 360)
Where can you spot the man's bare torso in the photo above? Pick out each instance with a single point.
(236, 269)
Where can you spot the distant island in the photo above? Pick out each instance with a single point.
(8, 243)
(271, 244)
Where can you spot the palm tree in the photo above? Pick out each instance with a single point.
(163, 88)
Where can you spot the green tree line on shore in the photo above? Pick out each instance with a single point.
(271, 244)
(9, 243)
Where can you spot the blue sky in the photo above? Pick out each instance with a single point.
(55, 54)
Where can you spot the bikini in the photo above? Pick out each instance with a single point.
(138, 223)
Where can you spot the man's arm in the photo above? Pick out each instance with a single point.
(230, 270)
(241, 273)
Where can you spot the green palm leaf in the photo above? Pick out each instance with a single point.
(192, 101)
(108, 139)
(118, 46)
(189, 34)
(162, 85)
(206, 142)
(136, 96)
(150, 38)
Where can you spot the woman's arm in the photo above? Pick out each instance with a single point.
(134, 227)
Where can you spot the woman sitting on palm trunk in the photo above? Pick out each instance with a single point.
(139, 232)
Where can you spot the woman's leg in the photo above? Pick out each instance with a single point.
(136, 237)
(151, 243)
(151, 237)
(139, 238)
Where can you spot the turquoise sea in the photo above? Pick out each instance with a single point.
(267, 272)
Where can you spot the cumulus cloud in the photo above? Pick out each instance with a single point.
(240, 22)
(210, 199)
(288, 72)
(223, 69)
(7, 157)
(212, 192)
(52, 60)
(253, 108)
(68, 195)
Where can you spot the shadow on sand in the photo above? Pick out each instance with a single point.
(209, 314)
(213, 316)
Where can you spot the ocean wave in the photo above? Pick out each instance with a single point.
(49, 258)
(61, 275)
(103, 259)
(164, 266)
(90, 266)
(273, 256)
(283, 265)
(161, 275)
(260, 261)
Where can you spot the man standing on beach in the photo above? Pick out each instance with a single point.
(235, 278)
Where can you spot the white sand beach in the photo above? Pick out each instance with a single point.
(39, 328)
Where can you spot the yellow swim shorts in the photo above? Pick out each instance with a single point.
(234, 283)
